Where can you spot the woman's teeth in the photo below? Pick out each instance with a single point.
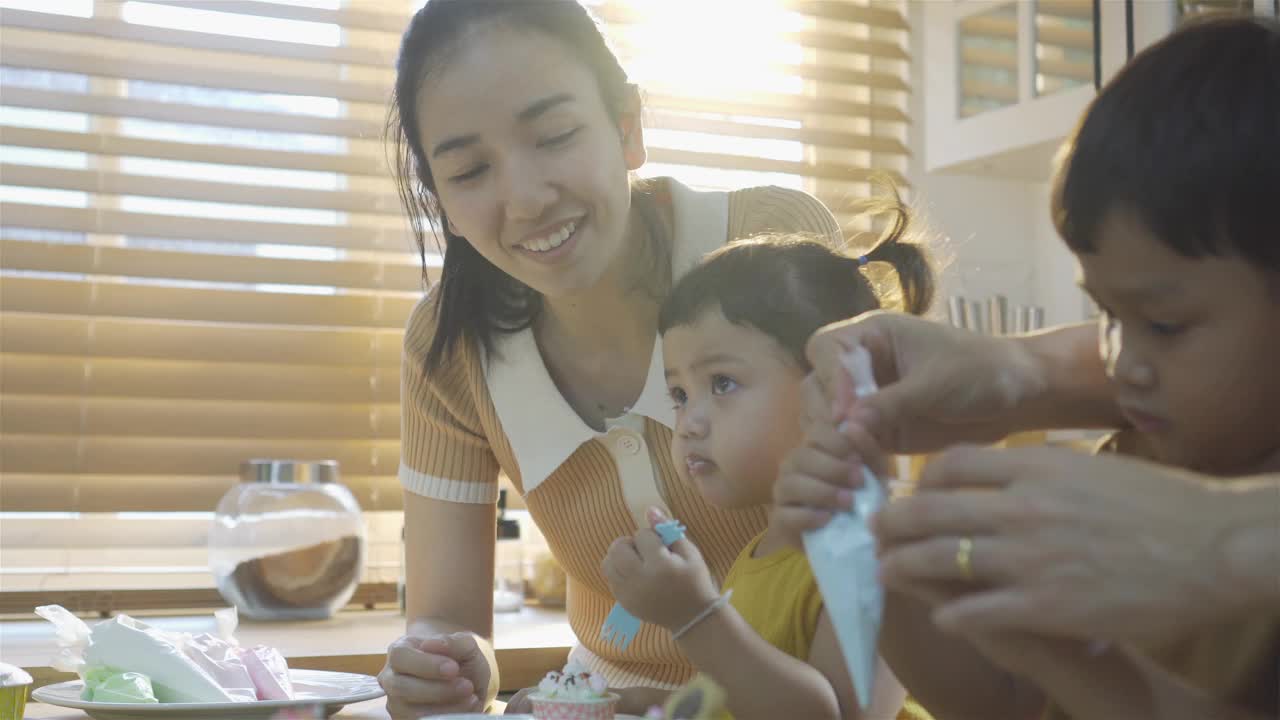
(551, 242)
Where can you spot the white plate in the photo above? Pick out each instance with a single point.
(331, 690)
(482, 716)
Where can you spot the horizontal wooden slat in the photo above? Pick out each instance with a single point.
(327, 82)
(780, 106)
(172, 380)
(1076, 9)
(974, 89)
(101, 297)
(80, 336)
(104, 143)
(1007, 28)
(883, 16)
(91, 492)
(355, 14)
(375, 15)
(755, 104)
(162, 418)
(815, 137)
(617, 16)
(401, 274)
(1082, 72)
(348, 127)
(161, 37)
(93, 56)
(838, 173)
(118, 183)
(122, 222)
(105, 602)
(38, 454)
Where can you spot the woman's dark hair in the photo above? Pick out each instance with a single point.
(788, 286)
(1187, 138)
(476, 299)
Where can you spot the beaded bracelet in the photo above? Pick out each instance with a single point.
(715, 605)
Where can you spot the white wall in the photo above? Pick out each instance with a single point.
(994, 235)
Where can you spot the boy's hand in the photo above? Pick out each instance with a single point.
(660, 585)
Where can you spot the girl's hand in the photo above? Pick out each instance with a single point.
(660, 585)
(819, 477)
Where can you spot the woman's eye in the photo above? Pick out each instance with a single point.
(561, 139)
(471, 174)
(1164, 329)
(721, 384)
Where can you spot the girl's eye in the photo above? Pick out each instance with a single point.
(1164, 329)
(469, 175)
(677, 396)
(560, 139)
(721, 384)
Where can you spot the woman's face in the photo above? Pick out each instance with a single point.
(528, 162)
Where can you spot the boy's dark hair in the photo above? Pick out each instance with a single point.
(788, 286)
(1186, 137)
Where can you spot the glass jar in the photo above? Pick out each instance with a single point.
(288, 542)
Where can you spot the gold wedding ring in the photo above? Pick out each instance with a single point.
(964, 558)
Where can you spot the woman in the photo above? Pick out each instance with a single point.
(537, 353)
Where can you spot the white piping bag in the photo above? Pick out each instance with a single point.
(843, 557)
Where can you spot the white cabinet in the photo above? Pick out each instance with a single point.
(1007, 80)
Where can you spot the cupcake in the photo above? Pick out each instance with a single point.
(573, 694)
(14, 683)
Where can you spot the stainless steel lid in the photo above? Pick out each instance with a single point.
(289, 471)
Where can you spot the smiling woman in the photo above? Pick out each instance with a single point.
(537, 353)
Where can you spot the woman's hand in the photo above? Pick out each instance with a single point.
(434, 675)
(1063, 544)
(660, 585)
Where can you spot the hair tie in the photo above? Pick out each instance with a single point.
(863, 260)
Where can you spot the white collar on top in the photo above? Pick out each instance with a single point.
(541, 426)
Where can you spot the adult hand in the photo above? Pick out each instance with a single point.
(660, 585)
(1071, 545)
(938, 385)
(435, 675)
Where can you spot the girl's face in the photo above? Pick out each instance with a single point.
(737, 398)
(529, 164)
(1192, 348)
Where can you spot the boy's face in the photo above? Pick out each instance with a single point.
(1192, 348)
(737, 398)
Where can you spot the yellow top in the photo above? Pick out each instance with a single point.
(777, 596)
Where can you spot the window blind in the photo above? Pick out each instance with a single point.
(204, 257)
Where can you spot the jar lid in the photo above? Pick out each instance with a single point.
(289, 471)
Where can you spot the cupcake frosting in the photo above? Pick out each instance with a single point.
(575, 682)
